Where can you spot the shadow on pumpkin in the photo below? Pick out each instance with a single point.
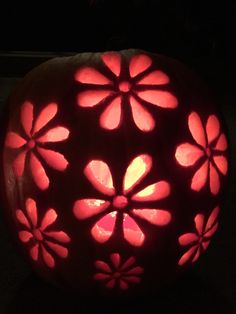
(188, 295)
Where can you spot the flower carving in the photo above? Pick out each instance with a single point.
(117, 273)
(42, 239)
(138, 87)
(33, 141)
(208, 152)
(122, 208)
(199, 241)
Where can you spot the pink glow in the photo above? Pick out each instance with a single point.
(27, 117)
(212, 128)
(112, 61)
(25, 236)
(48, 219)
(19, 164)
(188, 238)
(136, 171)
(46, 115)
(196, 256)
(47, 257)
(98, 173)
(187, 154)
(103, 266)
(157, 217)
(119, 274)
(159, 98)
(214, 180)
(37, 235)
(124, 86)
(56, 134)
(32, 211)
(91, 98)
(213, 217)
(196, 129)
(129, 262)
(221, 163)
(115, 258)
(13, 140)
(31, 144)
(139, 64)
(86, 208)
(132, 233)
(200, 177)
(59, 236)
(34, 252)
(153, 192)
(155, 78)
(111, 116)
(211, 231)
(103, 229)
(38, 173)
(199, 223)
(22, 219)
(58, 249)
(221, 143)
(90, 75)
(142, 118)
(120, 201)
(187, 255)
(53, 159)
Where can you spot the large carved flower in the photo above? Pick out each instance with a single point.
(208, 152)
(118, 273)
(32, 143)
(198, 242)
(42, 239)
(137, 87)
(122, 207)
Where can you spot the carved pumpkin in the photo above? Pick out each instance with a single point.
(114, 166)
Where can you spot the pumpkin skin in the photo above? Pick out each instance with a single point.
(114, 166)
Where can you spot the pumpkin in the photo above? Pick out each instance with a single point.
(114, 166)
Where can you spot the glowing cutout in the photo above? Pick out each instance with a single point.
(40, 234)
(142, 118)
(117, 273)
(187, 154)
(91, 98)
(132, 233)
(103, 229)
(159, 98)
(153, 192)
(98, 173)
(136, 171)
(210, 153)
(157, 217)
(113, 62)
(111, 116)
(199, 240)
(86, 208)
(33, 142)
(155, 78)
(91, 76)
(139, 64)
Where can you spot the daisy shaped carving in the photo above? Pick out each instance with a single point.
(118, 274)
(135, 87)
(207, 153)
(198, 241)
(31, 144)
(121, 208)
(43, 241)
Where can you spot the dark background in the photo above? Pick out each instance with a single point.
(202, 35)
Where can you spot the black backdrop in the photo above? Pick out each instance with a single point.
(201, 35)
